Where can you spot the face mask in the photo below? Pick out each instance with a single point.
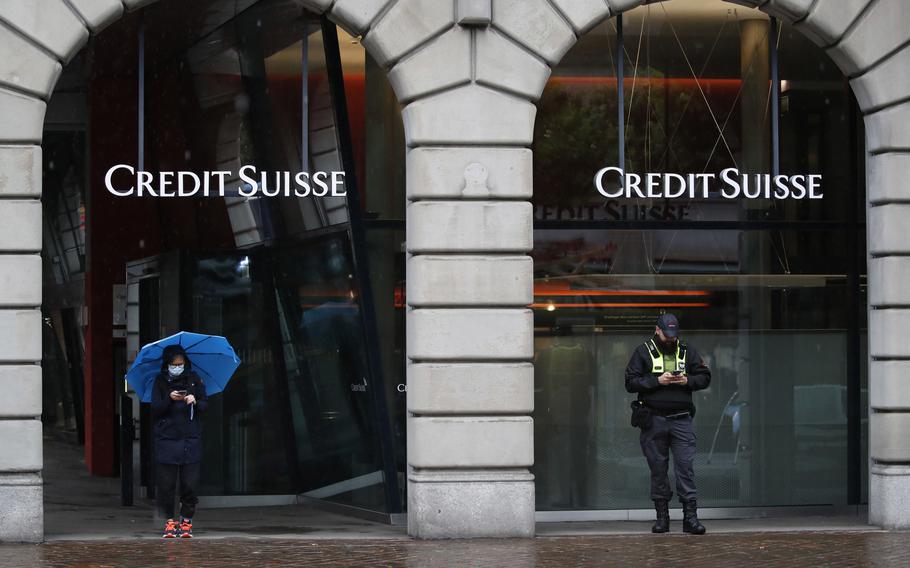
(175, 370)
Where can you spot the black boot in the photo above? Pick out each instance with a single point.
(690, 518)
(662, 524)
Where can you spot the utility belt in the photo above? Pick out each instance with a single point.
(671, 414)
(643, 414)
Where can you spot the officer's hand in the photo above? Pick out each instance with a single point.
(666, 379)
(176, 395)
(190, 399)
(682, 380)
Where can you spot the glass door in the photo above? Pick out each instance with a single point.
(298, 416)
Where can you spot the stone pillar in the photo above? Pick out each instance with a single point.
(35, 38)
(21, 496)
(469, 123)
(469, 229)
(469, 332)
(869, 50)
(21, 460)
(889, 362)
(470, 338)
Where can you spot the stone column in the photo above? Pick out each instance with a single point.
(21, 460)
(469, 229)
(469, 332)
(889, 299)
(35, 39)
(869, 50)
(469, 221)
(470, 338)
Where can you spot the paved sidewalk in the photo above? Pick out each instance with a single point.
(86, 527)
(752, 549)
(80, 507)
(84, 508)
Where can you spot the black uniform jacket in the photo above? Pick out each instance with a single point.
(668, 398)
(178, 438)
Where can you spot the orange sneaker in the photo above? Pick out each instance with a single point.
(170, 529)
(186, 528)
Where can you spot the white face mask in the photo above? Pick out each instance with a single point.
(175, 370)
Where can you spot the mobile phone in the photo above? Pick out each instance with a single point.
(678, 373)
(181, 393)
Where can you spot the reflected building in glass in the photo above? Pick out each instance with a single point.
(772, 292)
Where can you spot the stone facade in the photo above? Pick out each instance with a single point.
(469, 72)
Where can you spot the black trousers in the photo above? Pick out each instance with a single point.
(667, 434)
(166, 477)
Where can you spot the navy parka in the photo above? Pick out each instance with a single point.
(178, 439)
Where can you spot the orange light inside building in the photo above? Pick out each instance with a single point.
(550, 290)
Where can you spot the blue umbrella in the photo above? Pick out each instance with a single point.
(212, 357)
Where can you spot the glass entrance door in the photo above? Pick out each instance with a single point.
(283, 277)
(297, 418)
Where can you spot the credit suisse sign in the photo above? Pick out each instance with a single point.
(614, 183)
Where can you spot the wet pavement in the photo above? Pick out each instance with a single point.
(86, 528)
(78, 506)
(871, 548)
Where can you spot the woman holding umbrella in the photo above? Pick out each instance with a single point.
(178, 402)
(163, 374)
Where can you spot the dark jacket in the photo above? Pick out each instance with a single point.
(669, 398)
(178, 439)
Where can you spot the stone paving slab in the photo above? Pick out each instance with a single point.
(816, 523)
(754, 549)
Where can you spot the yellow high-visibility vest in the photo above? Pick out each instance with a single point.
(657, 358)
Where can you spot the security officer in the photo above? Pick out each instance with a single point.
(664, 371)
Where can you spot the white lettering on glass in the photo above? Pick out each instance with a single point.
(614, 183)
(123, 180)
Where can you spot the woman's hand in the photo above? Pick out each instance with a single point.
(176, 396)
(189, 399)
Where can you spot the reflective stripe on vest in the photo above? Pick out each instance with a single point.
(657, 358)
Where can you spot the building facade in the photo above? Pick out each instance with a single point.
(468, 74)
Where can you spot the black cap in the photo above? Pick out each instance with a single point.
(668, 324)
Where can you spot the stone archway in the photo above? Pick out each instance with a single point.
(468, 75)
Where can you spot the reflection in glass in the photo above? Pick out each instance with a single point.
(772, 426)
(696, 100)
(250, 76)
(770, 292)
(250, 84)
(297, 417)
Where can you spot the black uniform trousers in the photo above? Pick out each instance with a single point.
(678, 435)
(166, 477)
